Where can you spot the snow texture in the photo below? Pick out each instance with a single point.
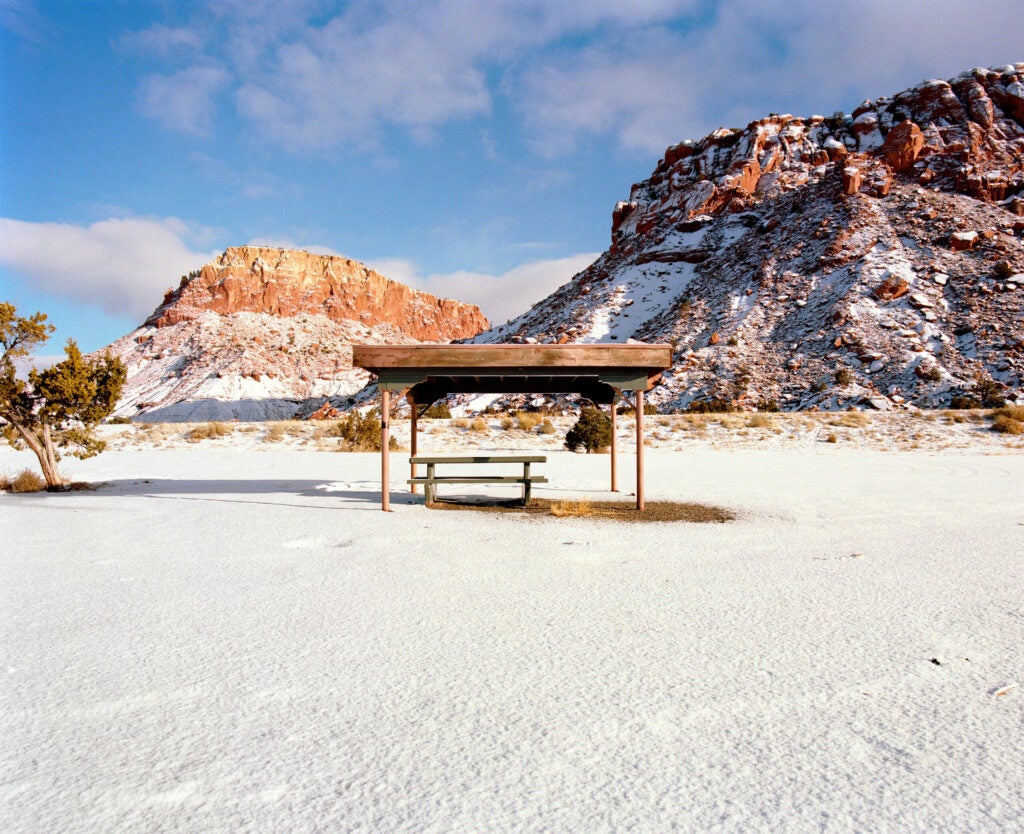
(220, 640)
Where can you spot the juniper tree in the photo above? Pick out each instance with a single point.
(56, 408)
(593, 431)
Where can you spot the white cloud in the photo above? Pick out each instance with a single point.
(312, 83)
(501, 297)
(646, 73)
(121, 265)
(654, 86)
(184, 101)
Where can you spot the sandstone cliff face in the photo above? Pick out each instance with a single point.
(871, 258)
(267, 333)
(286, 283)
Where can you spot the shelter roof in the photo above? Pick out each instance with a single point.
(598, 372)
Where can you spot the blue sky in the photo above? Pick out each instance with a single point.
(472, 149)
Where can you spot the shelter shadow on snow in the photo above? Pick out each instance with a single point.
(247, 491)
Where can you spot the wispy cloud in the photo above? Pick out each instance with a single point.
(22, 19)
(184, 101)
(503, 296)
(162, 42)
(120, 265)
(653, 86)
(644, 74)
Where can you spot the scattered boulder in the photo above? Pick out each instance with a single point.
(891, 288)
(902, 146)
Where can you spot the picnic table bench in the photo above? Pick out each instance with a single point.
(432, 479)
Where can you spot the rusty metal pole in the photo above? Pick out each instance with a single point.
(385, 442)
(412, 437)
(639, 401)
(615, 472)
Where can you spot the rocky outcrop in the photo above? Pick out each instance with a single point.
(866, 259)
(286, 283)
(267, 334)
(963, 135)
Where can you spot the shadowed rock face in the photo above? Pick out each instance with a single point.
(871, 258)
(286, 283)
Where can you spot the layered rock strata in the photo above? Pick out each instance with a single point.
(870, 258)
(265, 333)
(287, 283)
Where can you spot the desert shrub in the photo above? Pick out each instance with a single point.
(438, 411)
(360, 432)
(119, 421)
(461, 423)
(479, 424)
(275, 433)
(649, 408)
(527, 420)
(964, 402)
(832, 438)
(1014, 412)
(844, 376)
(24, 481)
(768, 405)
(592, 431)
(507, 423)
(206, 431)
(989, 392)
(760, 421)
(714, 405)
(931, 374)
(546, 427)
(1007, 425)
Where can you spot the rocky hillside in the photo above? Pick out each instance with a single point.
(872, 258)
(266, 334)
(286, 283)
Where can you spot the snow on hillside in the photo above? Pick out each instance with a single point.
(221, 640)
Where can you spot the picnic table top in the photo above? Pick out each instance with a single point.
(481, 459)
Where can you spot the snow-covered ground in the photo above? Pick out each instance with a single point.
(224, 640)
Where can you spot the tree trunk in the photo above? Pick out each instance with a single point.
(50, 473)
(44, 452)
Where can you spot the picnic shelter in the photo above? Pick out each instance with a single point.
(427, 373)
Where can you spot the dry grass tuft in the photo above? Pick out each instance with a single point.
(1007, 425)
(1014, 412)
(852, 420)
(275, 433)
(547, 427)
(206, 431)
(24, 481)
(479, 424)
(760, 421)
(527, 420)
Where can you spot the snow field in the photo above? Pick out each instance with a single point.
(221, 640)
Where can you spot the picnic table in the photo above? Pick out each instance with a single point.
(432, 479)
